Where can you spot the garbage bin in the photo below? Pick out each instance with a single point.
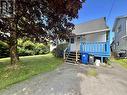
(91, 59)
(84, 58)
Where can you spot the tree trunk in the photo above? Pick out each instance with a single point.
(13, 48)
(13, 54)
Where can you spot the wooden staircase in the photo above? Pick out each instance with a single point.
(71, 57)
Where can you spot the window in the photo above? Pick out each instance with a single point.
(117, 44)
(72, 40)
(78, 38)
(119, 29)
(6, 7)
(3, 7)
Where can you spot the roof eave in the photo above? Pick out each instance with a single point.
(90, 32)
(115, 23)
(116, 20)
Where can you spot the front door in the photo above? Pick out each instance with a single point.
(75, 44)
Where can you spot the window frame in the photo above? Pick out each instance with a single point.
(119, 29)
(72, 40)
(117, 44)
(6, 8)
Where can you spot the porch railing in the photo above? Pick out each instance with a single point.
(95, 47)
(67, 50)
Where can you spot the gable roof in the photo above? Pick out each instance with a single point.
(97, 25)
(116, 21)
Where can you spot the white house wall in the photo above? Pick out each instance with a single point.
(75, 45)
(96, 37)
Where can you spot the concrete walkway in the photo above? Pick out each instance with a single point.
(72, 80)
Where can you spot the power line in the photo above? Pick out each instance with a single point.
(110, 11)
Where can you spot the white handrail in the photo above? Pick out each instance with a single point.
(65, 53)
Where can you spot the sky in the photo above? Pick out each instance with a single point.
(93, 9)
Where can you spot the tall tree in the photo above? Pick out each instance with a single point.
(42, 20)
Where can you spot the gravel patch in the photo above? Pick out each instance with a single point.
(70, 79)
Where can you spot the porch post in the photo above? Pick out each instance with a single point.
(102, 60)
(69, 45)
(108, 43)
(81, 49)
(76, 51)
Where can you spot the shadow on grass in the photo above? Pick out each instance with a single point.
(29, 66)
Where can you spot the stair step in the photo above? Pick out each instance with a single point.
(72, 59)
(73, 56)
(73, 52)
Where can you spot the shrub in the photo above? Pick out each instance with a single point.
(25, 52)
(45, 49)
(29, 52)
(21, 51)
(26, 48)
(59, 50)
(41, 48)
(4, 50)
(28, 45)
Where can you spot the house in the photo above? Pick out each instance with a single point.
(92, 37)
(119, 45)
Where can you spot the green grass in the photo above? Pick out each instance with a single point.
(122, 62)
(29, 66)
(92, 72)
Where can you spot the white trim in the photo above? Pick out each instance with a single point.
(123, 37)
(90, 32)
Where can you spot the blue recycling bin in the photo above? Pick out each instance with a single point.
(84, 58)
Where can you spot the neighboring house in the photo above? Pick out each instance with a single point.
(7, 8)
(119, 45)
(91, 37)
(112, 46)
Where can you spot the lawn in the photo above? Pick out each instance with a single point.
(122, 62)
(29, 66)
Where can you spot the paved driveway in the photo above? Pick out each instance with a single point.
(72, 80)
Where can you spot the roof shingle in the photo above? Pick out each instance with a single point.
(97, 25)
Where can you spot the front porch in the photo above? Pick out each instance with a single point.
(97, 49)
